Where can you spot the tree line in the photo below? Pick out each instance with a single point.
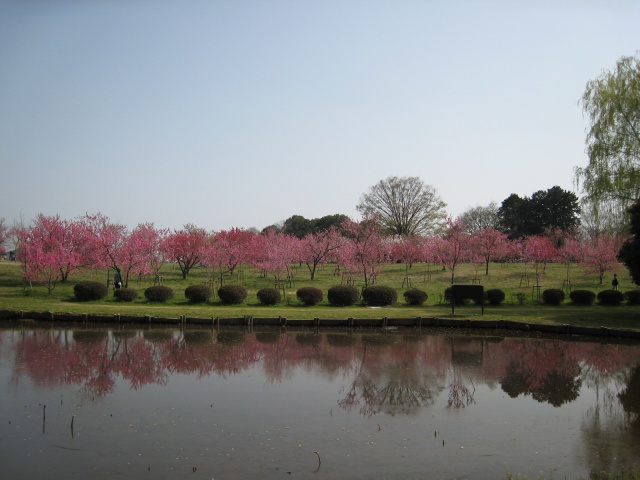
(52, 249)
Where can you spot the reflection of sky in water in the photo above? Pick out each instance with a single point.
(264, 414)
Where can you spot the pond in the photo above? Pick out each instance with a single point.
(226, 403)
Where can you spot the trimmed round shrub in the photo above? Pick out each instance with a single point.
(269, 296)
(158, 293)
(379, 296)
(157, 336)
(197, 337)
(494, 296)
(448, 296)
(125, 294)
(232, 294)
(231, 337)
(268, 337)
(309, 338)
(309, 295)
(89, 336)
(582, 297)
(343, 295)
(415, 296)
(633, 297)
(87, 291)
(553, 296)
(198, 293)
(610, 297)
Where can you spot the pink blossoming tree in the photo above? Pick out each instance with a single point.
(50, 250)
(363, 249)
(275, 252)
(569, 253)
(227, 250)
(599, 255)
(105, 240)
(488, 244)
(140, 252)
(539, 250)
(186, 247)
(316, 248)
(453, 247)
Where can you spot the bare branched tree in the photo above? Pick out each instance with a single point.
(404, 206)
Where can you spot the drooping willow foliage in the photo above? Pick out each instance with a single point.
(611, 102)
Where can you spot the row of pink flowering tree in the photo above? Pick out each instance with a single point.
(53, 249)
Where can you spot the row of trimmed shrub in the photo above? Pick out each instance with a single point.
(340, 295)
(493, 296)
(555, 296)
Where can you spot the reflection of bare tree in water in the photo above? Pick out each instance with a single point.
(394, 397)
(395, 390)
(465, 353)
(459, 395)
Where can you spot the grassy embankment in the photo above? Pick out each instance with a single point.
(506, 277)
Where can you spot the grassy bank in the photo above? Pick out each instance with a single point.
(432, 279)
(630, 473)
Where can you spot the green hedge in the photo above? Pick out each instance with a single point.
(89, 290)
(343, 295)
(158, 293)
(415, 296)
(198, 293)
(553, 296)
(125, 294)
(309, 295)
(582, 297)
(494, 296)
(269, 296)
(232, 294)
(610, 297)
(380, 296)
(633, 297)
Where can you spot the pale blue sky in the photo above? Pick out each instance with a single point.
(243, 113)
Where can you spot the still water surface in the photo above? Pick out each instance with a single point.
(83, 402)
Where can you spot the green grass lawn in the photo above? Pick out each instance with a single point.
(432, 279)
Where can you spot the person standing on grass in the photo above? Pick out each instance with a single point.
(614, 282)
(117, 279)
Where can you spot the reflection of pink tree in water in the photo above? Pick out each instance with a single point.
(90, 358)
(392, 373)
(547, 370)
(139, 364)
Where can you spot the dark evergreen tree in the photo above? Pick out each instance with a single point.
(325, 223)
(300, 227)
(629, 254)
(554, 208)
(297, 226)
(512, 214)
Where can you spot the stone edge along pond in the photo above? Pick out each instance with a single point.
(384, 322)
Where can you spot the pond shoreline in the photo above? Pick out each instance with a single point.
(383, 322)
